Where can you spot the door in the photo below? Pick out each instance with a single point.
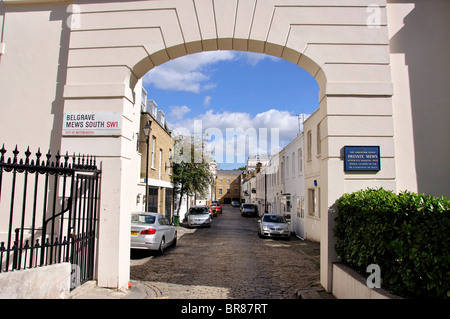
(300, 217)
(168, 203)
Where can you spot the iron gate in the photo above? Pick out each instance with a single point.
(50, 214)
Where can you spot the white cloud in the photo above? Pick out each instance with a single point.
(178, 112)
(207, 101)
(235, 135)
(254, 58)
(188, 73)
(191, 73)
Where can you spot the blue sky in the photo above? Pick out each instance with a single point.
(222, 91)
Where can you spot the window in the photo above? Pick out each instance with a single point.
(314, 202)
(220, 180)
(163, 221)
(293, 163)
(311, 201)
(319, 144)
(287, 167)
(228, 180)
(142, 219)
(153, 151)
(308, 145)
(236, 191)
(160, 163)
(220, 191)
(152, 199)
(144, 100)
(228, 191)
(300, 161)
(169, 166)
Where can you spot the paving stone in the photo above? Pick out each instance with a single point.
(229, 260)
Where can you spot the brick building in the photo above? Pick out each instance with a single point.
(228, 186)
(161, 145)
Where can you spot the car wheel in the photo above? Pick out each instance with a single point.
(174, 242)
(162, 246)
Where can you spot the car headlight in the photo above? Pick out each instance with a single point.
(265, 228)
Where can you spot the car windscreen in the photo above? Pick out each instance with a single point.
(142, 219)
(248, 206)
(274, 219)
(198, 211)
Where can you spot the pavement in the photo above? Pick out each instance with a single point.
(137, 289)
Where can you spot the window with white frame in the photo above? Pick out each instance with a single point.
(308, 145)
(293, 163)
(319, 144)
(300, 160)
(287, 168)
(314, 202)
(153, 151)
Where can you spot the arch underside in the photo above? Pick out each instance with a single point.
(140, 35)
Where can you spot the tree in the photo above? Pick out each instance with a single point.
(190, 169)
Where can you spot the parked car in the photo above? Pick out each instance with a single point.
(212, 212)
(271, 225)
(217, 206)
(235, 203)
(199, 216)
(152, 231)
(249, 210)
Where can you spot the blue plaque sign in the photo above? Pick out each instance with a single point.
(362, 158)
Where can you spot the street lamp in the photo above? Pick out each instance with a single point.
(147, 129)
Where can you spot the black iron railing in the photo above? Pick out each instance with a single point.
(48, 211)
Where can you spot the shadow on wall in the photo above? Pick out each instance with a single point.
(424, 41)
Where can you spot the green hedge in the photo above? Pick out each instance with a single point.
(407, 235)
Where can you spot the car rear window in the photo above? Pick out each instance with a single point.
(142, 219)
(274, 219)
(198, 210)
(248, 206)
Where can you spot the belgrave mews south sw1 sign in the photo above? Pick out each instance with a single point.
(100, 124)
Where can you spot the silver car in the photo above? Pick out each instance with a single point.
(152, 231)
(249, 210)
(273, 226)
(199, 216)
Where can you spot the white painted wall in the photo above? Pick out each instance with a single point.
(295, 185)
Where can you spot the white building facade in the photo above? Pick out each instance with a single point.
(294, 186)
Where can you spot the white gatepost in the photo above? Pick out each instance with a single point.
(116, 154)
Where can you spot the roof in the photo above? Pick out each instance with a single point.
(229, 172)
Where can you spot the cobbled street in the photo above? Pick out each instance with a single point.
(229, 261)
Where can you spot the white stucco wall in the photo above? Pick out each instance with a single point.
(294, 184)
(47, 282)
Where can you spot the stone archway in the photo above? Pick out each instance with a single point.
(113, 44)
